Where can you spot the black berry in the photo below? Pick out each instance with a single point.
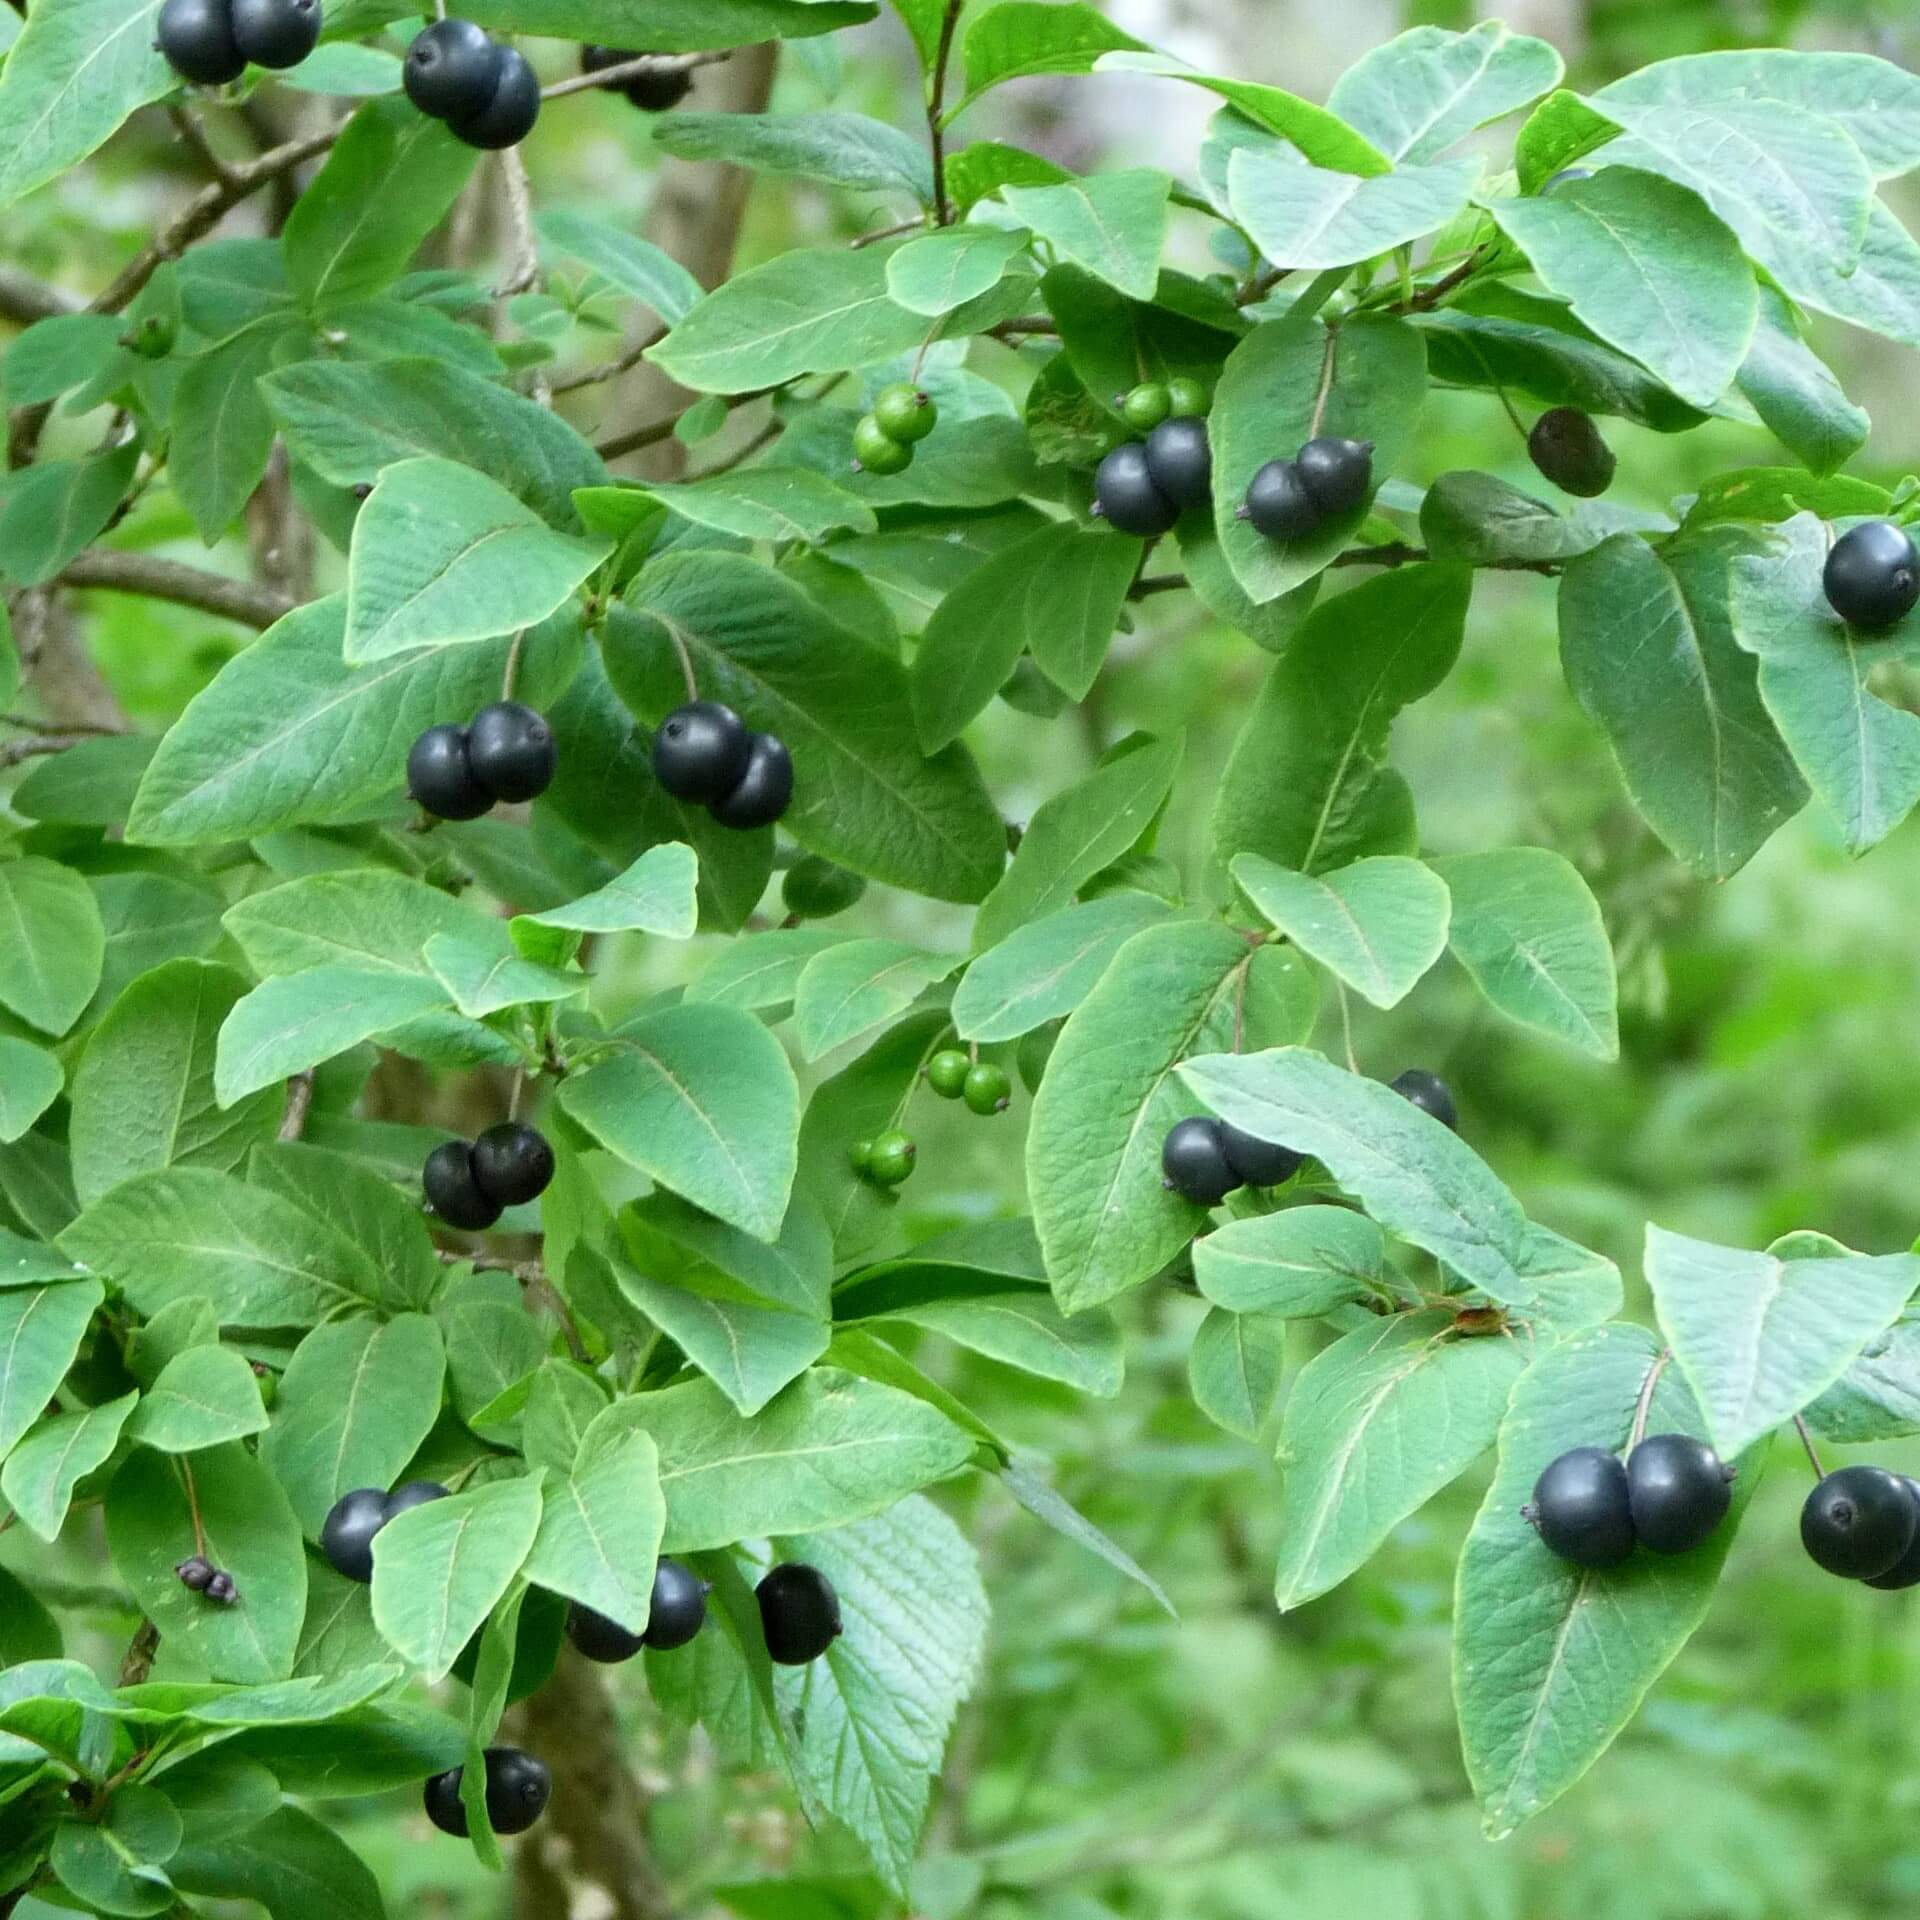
(1430, 1094)
(1279, 505)
(653, 90)
(411, 1494)
(451, 69)
(440, 776)
(1180, 462)
(1257, 1162)
(441, 1798)
(762, 793)
(346, 1535)
(1873, 575)
(701, 751)
(1581, 1508)
(1126, 498)
(1905, 1572)
(276, 33)
(1194, 1163)
(453, 1193)
(679, 1607)
(512, 1164)
(799, 1613)
(815, 889)
(511, 751)
(518, 1788)
(196, 36)
(508, 116)
(599, 1638)
(1337, 474)
(1566, 446)
(1859, 1522)
(195, 1573)
(1678, 1489)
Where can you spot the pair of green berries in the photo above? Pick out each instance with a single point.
(1145, 406)
(884, 440)
(954, 1075)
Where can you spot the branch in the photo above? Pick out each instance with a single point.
(118, 572)
(23, 299)
(936, 100)
(643, 66)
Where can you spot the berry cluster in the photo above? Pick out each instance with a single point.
(815, 889)
(1873, 575)
(506, 752)
(954, 1075)
(1592, 1508)
(884, 440)
(706, 754)
(1327, 479)
(1863, 1523)
(199, 1575)
(346, 1535)
(1143, 487)
(518, 1789)
(482, 88)
(210, 41)
(470, 1184)
(1567, 448)
(676, 1612)
(652, 89)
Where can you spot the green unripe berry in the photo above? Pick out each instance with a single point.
(815, 889)
(269, 1384)
(875, 450)
(1187, 398)
(860, 1155)
(1146, 406)
(892, 1158)
(151, 338)
(905, 413)
(987, 1089)
(947, 1073)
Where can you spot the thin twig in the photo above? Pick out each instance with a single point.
(936, 100)
(1644, 1405)
(37, 746)
(186, 123)
(641, 66)
(892, 232)
(526, 250)
(612, 370)
(1806, 1440)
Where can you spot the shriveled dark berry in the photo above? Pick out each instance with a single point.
(799, 1613)
(1337, 473)
(1859, 1522)
(1430, 1094)
(512, 1163)
(222, 1589)
(451, 69)
(763, 793)
(452, 1191)
(679, 1607)
(1679, 1490)
(1581, 1508)
(1125, 496)
(1257, 1162)
(194, 1573)
(1194, 1163)
(276, 33)
(599, 1638)
(440, 776)
(1180, 461)
(511, 751)
(1567, 448)
(1872, 576)
(1279, 505)
(196, 37)
(346, 1535)
(700, 751)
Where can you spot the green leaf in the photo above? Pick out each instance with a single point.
(864, 794)
(600, 1531)
(1482, 521)
(143, 1094)
(1268, 403)
(1045, 969)
(1874, 1399)
(1650, 649)
(50, 510)
(763, 969)
(673, 26)
(1649, 268)
(30, 1082)
(1414, 96)
(635, 266)
(41, 1328)
(482, 980)
(250, 1532)
(1023, 1328)
(768, 503)
(562, 1399)
(52, 944)
(654, 895)
(222, 433)
(701, 1099)
(291, 1863)
(942, 271)
(368, 918)
(1313, 218)
(1234, 1369)
(95, 1863)
(438, 1569)
(1113, 224)
(1794, 391)
(442, 554)
(1550, 1660)
(857, 985)
(1307, 784)
(389, 181)
(1528, 929)
(493, 1348)
(1020, 38)
(42, 1471)
(203, 1397)
(356, 1402)
(1759, 1335)
(297, 1020)
(1299, 1263)
(1379, 923)
(838, 149)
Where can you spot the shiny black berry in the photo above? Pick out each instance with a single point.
(1337, 473)
(799, 1613)
(761, 794)
(1873, 575)
(1279, 505)
(451, 69)
(1859, 1522)
(815, 889)
(411, 1494)
(1679, 1490)
(1180, 462)
(1194, 1163)
(518, 1789)
(679, 1607)
(1430, 1094)
(1581, 1508)
(511, 751)
(196, 36)
(441, 1798)
(512, 1164)
(700, 751)
(599, 1638)
(276, 33)
(346, 1535)
(1257, 1162)
(508, 116)
(453, 1193)
(1566, 446)
(440, 776)
(1125, 496)
(654, 90)
(1905, 1572)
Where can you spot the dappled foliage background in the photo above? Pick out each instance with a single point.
(1113, 1761)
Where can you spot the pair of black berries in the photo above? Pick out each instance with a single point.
(1142, 488)
(199, 1575)
(1204, 1160)
(346, 1534)
(505, 752)
(652, 89)
(1592, 1508)
(1872, 576)
(1863, 1523)
(211, 41)
(1327, 479)
(707, 755)
(482, 88)
(799, 1616)
(470, 1184)
(518, 1789)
